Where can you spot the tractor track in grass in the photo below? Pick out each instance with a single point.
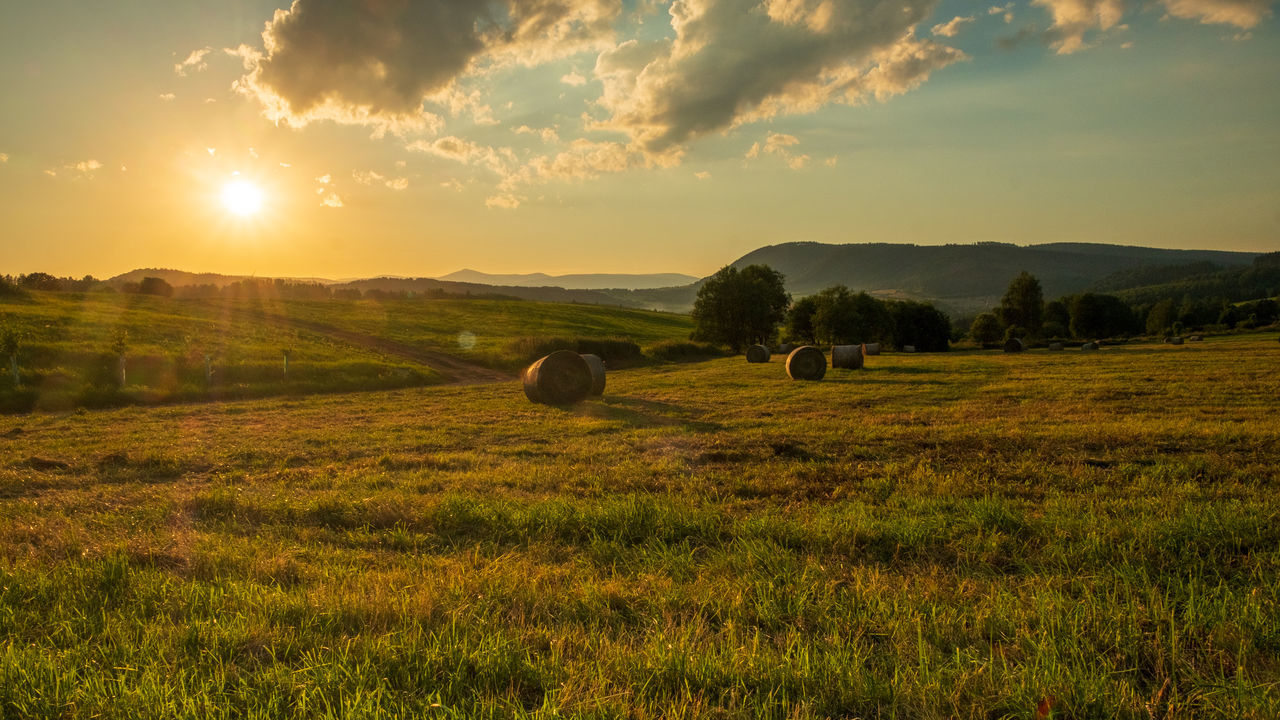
(457, 370)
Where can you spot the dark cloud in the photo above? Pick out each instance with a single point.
(375, 61)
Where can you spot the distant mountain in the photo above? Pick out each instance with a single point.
(588, 281)
(966, 278)
(176, 278)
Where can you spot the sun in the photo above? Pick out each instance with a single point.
(242, 197)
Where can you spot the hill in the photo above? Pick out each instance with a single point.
(589, 281)
(966, 277)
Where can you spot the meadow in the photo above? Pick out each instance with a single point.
(189, 350)
(968, 535)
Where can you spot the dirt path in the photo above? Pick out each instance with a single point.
(459, 371)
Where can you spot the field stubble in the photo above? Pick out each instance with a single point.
(960, 535)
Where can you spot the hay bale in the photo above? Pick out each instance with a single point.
(596, 365)
(908, 348)
(806, 363)
(1195, 338)
(1089, 346)
(1055, 346)
(870, 349)
(757, 354)
(1175, 341)
(846, 356)
(561, 378)
(1014, 345)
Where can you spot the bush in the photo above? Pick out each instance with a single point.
(675, 351)
(616, 352)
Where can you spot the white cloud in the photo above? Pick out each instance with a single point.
(780, 144)
(574, 78)
(195, 62)
(951, 28)
(332, 200)
(703, 175)
(1244, 14)
(167, 97)
(4, 158)
(503, 201)
(370, 178)
(1073, 19)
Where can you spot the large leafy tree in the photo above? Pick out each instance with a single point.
(799, 324)
(1023, 304)
(985, 329)
(841, 316)
(921, 325)
(740, 307)
(1100, 316)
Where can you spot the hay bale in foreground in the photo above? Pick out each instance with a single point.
(848, 357)
(1089, 346)
(596, 365)
(870, 348)
(561, 378)
(758, 354)
(1055, 346)
(1013, 345)
(908, 348)
(806, 363)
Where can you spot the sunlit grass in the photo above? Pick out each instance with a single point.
(963, 535)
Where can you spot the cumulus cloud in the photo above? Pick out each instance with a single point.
(1006, 11)
(779, 144)
(804, 54)
(702, 175)
(548, 135)
(951, 28)
(4, 158)
(331, 200)
(167, 97)
(375, 63)
(574, 78)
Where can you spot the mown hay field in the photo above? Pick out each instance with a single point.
(1076, 535)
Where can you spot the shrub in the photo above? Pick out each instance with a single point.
(675, 351)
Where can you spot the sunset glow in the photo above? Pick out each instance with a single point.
(242, 198)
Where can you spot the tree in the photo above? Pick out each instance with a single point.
(1023, 304)
(799, 322)
(155, 286)
(1100, 316)
(921, 325)
(740, 307)
(1162, 316)
(985, 329)
(9, 342)
(844, 317)
(40, 281)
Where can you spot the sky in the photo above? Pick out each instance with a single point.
(418, 137)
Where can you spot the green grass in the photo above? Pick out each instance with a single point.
(961, 535)
(67, 357)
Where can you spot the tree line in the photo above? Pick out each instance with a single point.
(741, 307)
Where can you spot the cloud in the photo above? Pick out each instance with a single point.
(1005, 10)
(803, 55)
(84, 169)
(1072, 19)
(332, 200)
(167, 97)
(574, 78)
(779, 144)
(703, 175)
(371, 178)
(4, 158)
(374, 63)
(951, 28)
(504, 201)
(195, 62)
(1244, 14)
(548, 135)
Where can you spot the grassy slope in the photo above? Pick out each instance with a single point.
(962, 535)
(65, 336)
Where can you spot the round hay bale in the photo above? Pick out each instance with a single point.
(561, 378)
(806, 363)
(1055, 346)
(1089, 346)
(846, 356)
(1195, 338)
(757, 354)
(871, 348)
(1175, 341)
(1013, 345)
(596, 365)
(908, 348)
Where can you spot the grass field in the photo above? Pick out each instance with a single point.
(68, 356)
(969, 535)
